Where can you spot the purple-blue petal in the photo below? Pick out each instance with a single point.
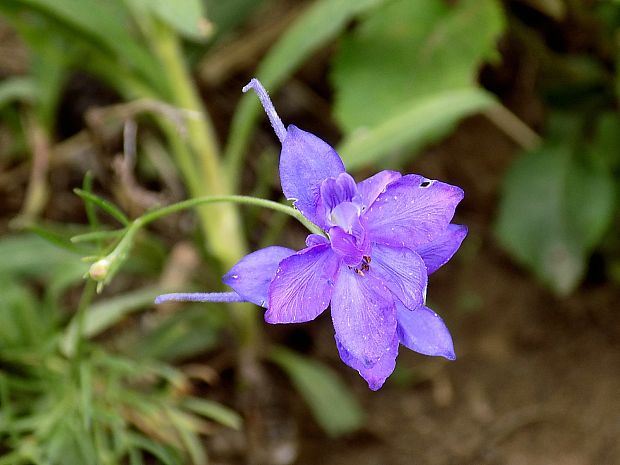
(423, 331)
(376, 375)
(438, 252)
(316, 239)
(346, 246)
(305, 162)
(302, 286)
(412, 211)
(251, 276)
(364, 316)
(336, 190)
(370, 188)
(402, 271)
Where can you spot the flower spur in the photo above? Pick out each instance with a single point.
(384, 236)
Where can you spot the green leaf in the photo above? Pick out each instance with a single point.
(187, 17)
(331, 403)
(424, 120)
(105, 205)
(105, 314)
(33, 256)
(17, 88)
(318, 25)
(181, 335)
(556, 206)
(409, 55)
(214, 411)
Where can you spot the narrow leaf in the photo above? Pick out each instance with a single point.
(331, 403)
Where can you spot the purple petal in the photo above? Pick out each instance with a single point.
(363, 315)
(423, 331)
(376, 375)
(305, 162)
(251, 276)
(316, 239)
(302, 287)
(334, 191)
(369, 189)
(412, 211)
(402, 271)
(437, 253)
(346, 246)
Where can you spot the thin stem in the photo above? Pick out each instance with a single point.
(153, 215)
(85, 300)
(513, 127)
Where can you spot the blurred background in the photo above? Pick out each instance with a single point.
(112, 109)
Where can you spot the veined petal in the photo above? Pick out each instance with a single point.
(303, 284)
(364, 316)
(412, 211)
(345, 245)
(376, 375)
(251, 276)
(305, 162)
(402, 271)
(437, 253)
(423, 331)
(336, 190)
(370, 188)
(316, 239)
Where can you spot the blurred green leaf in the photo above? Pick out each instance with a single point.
(181, 335)
(105, 205)
(229, 14)
(110, 27)
(214, 411)
(33, 256)
(102, 315)
(331, 403)
(606, 143)
(17, 88)
(424, 120)
(555, 207)
(407, 54)
(317, 26)
(187, 17)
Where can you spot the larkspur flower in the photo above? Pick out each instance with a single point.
(384, 236)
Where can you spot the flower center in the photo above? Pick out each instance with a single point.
(364, 267)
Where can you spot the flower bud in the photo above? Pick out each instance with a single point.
(99, 270)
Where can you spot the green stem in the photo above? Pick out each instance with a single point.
(153, 215)
(85, 300)
(201, 167)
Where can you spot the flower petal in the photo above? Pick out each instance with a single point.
(316, 239)
(402, 271)
(305, 162)
(346, 246)
(376, 375)
(412, 211)
(437, 253)
(303, 284)
(423, 331)
(363, 315)
(251, 276)
(336, 190)
(370, 188)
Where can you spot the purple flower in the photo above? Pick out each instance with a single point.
(384, 236)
